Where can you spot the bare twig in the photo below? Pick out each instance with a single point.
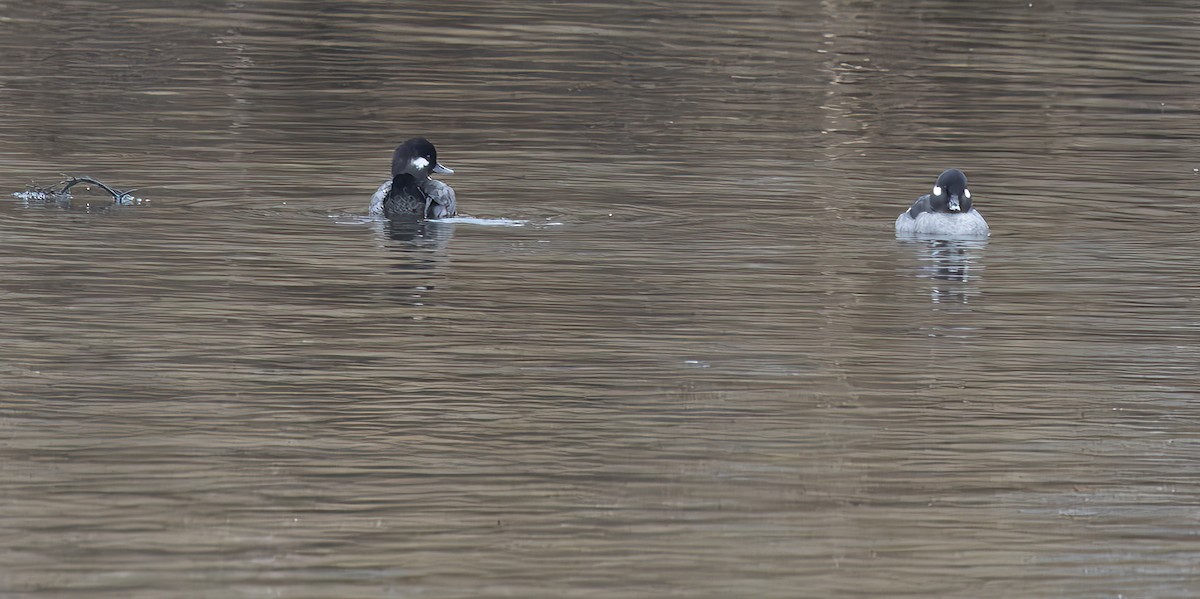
(73, 181)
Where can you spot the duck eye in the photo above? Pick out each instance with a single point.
(967, 192)
(937, 190)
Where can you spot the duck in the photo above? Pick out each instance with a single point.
(946, 211)
(411, 193)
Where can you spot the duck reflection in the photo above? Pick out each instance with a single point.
(955, 267)
(420, 245)
(422, 251)
(415, 234)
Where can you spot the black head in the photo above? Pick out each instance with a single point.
(416, 157)
(950, 193)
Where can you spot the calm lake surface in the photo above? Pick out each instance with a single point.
(678, 349)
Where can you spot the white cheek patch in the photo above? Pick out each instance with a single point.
(967, 192)
(937, 190)
(420, 163)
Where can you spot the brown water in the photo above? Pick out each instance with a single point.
(703, 366)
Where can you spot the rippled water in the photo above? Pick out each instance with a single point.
(673, 349)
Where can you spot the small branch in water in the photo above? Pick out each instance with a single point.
(73, 181)
(61, 192)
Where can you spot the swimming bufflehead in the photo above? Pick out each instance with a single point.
(411, 193)
(946, 211)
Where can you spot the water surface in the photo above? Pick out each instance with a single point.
(702, 366)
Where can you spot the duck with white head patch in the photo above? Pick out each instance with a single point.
(411, 193)
(946, 211)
